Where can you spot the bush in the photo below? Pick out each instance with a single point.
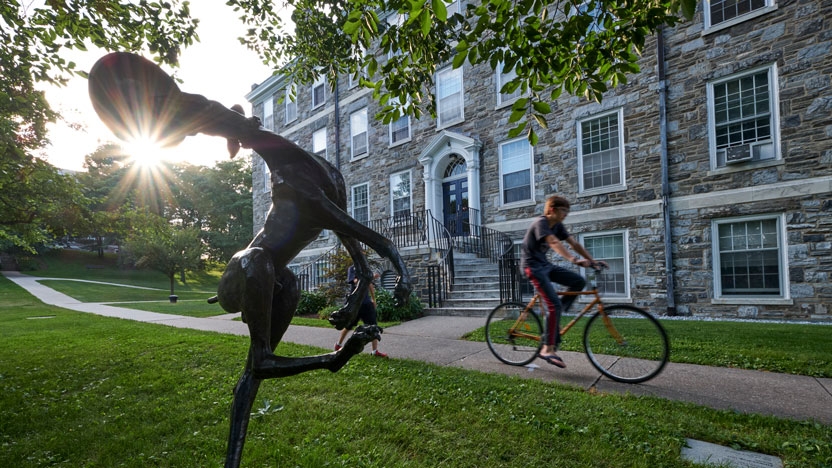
(324, 313)
(387, 312)
(311, 302)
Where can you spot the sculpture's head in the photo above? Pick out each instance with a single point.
(136, 99)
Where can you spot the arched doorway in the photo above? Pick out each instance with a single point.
(451, 164)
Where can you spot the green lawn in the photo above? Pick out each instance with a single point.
(83, 390)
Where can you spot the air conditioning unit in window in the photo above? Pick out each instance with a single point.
(737, 154)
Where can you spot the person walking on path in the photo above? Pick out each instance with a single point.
(366, 313)
(547, 232)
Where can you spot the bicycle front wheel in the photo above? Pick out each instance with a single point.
(514, 336)
(626, 344)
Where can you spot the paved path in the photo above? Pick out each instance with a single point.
(435, 339)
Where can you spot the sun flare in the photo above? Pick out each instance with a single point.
(145, 153)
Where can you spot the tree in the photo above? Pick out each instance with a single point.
(34, 195)
(158, 245)
(581, 47)
(37, 203)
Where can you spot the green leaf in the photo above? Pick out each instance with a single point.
(540, 120)
(516, 115)
(542, 107)
(425, 17)
(532, 137)
(459, 58)
(516, 131)
(440, 10)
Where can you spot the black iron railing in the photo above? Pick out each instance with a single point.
(312, 275)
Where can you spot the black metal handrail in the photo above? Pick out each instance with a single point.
(311, 275)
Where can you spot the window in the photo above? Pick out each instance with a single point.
(319, 92)
(502, 79)
(291, 104)
(601, 152)
(723, 11)
(400, 130)
(400, 195)
(516, 170)
(361, 203)
(268, 114)
(743, 118)
(449, 97)
(358, 132)
(319, 142)
(611, 248)
(749, 257)
(267, 178)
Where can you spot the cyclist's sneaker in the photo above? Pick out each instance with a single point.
(337, 347)
(378, 353)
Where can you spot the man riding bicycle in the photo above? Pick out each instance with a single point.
(547, 232)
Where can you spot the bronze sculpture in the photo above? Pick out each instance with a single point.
(135, 98)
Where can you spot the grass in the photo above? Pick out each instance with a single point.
(83, 390)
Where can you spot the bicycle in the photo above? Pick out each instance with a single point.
(623, 342)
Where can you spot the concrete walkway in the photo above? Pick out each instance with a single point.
(435, 339)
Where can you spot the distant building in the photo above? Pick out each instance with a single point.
(722, 170)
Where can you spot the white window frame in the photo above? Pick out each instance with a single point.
(710, 27)
(353, 205)
(450, 73)
(782, 256)
(582, 238)
(501, 79)
(359, 119)
(267, 177)
(268, 113)
(391, 130)
(530, 169)
(290, 106)
(320, 83)
(774, 122)
(409, 196)
(319, 146)
(622, 173)
(453, 7)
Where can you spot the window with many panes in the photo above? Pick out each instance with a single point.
(267, 177)
(719, 12)
(749, 257)
(502, 79)
(358, 133)
(449, 97)
(601, 152)
(400, 195)
(268, 113)
(400, 130)
(361, 203)
(290, 104)
(743, 118)
(319, 142)
(610, 247)
(516, 170)
(319, 92)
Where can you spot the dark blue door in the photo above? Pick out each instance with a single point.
(455, 206)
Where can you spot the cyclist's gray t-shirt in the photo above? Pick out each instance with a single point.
(534, 247)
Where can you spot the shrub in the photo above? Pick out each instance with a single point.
(324, 313)
(387, 312)
(311, 302)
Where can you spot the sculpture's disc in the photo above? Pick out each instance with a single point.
(135, 98)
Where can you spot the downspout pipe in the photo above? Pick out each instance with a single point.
(337, 129)
(668, 244)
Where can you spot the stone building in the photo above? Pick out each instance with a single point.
(704, 181)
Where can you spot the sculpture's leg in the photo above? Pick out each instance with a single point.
(248, 286)
(344, 316)
(335, 219)
(244, 394)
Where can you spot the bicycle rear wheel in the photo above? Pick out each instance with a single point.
(626, 344)
(511, 338)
